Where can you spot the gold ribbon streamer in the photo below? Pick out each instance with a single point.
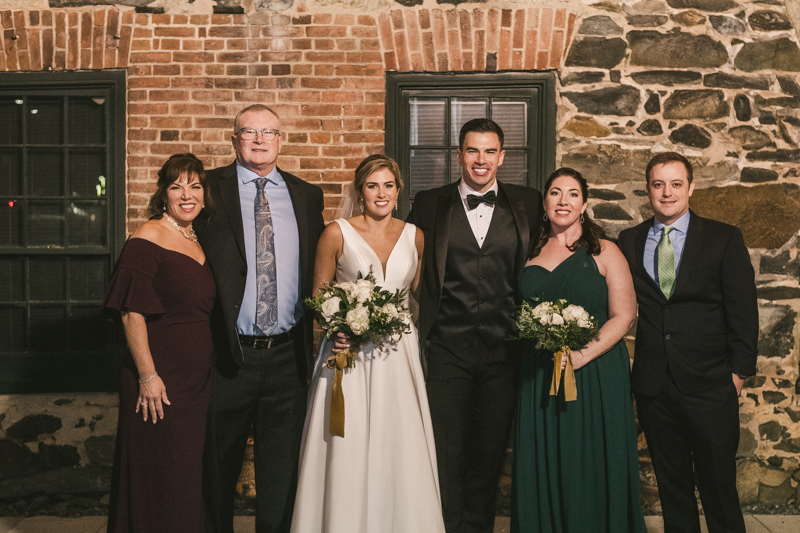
(570, 387)
(338, 361)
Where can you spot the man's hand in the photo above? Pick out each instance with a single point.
(739, 382)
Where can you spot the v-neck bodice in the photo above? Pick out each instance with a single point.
(358, 256)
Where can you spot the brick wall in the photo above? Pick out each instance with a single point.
(323, 73)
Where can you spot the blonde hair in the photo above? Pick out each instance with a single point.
(371, 165)
(254, 107)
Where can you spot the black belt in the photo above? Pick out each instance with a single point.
(261, 342)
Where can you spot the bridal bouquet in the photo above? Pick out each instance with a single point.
(367, 314)
(558, 327)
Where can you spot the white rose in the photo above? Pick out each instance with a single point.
(573, 313)
(361, 291)
(348, 287)
(583, 323)
(556, 319)
(358, 319)
(544, 319)
(330, 307)
(541, 310)
(391, 310)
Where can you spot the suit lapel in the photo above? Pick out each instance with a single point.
(691, 249)
(229, 196)
(523, 229)
(640, 270)
(300, 208)
(444, 210)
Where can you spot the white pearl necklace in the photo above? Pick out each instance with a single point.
(192, 236)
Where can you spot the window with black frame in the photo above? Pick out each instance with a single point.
(61, 226)
(425, 113)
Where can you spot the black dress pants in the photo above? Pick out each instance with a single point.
(693, 438)
(472, 393)
(267, 392)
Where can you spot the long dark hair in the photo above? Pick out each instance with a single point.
(591, 233)
(175, 167)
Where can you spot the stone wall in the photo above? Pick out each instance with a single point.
(714, 79)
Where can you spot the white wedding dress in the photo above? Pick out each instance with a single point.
(381, 477)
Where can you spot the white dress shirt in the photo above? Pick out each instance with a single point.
(480, 217)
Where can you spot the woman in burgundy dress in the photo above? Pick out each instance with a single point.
(164, 291)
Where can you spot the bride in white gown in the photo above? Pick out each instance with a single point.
(381, 477)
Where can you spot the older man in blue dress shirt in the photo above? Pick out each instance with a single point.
(260, 243)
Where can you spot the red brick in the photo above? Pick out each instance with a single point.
(546, 28)
(73, 49)
(516, 59)
(141, 45)
(212, 149)
(480, 50)
(442, 62)
(504, 53)
(324, 70)
(362, 58)
(350, 70)
(364, 84)
(533, 18)
(300, 150)
(236, 70)
(362, 32)
(366, 20)
(148, 82)
(191, 70)
(199, 20)
(412, 32)
(326, 31)
(213, 44)
(235, 83)
(301, 44)
(193, 57)
(140, 70)
(439, 31)
(227, 31)
(403, 63)
(320, 110)
(465, 26)
(324, 44)
(323, 18)
(61, 30)
(259, 70)
(345, 19)
(280, 57)
(191, 136)
(169, 148)
(518, 36)
(319, 162)
(297, 138)
(236, 44)
(541, 60)
(166, 70)
(343, 151)
(356, 138)
(180, 19)
(258, 44)
(142, 33)
(531, 39)
(151, 57)
(376, 97)
(342, 96)
(47, 48)
(454, 51)
(320, 138)
(172, 31)
(301, 19)
(169, 96)
(325, 57)
(570, 27)
(300, 124)
(302, 70)
(137, 121)
(214, 70)
(211, 96)
(34, 45)
(286, 31)
(385, 28)
(561, 17)
(148, 109)
(86, 29)
(169, 123)
(171, 44)
(124, 45)
(191, 109)
(352, 44)
(557, 49)
(24, 59)
(390, 61)
(161, 19)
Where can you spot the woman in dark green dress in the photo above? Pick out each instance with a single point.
(576, 467)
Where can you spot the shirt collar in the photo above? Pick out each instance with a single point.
(464, 189)
(246, 175)
(681, 225)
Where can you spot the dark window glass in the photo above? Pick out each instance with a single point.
(45, 120)
(87, 120)
(10, 171)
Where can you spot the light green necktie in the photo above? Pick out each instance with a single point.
(666, 262)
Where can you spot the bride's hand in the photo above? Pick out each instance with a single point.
(340, 342)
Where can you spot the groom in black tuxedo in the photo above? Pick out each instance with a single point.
(260, 242)
(476, 233)
(695, 344)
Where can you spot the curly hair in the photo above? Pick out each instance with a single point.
(591, 232)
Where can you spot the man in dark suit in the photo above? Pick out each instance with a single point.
(695, 344)
(476, 233)
(260, 243)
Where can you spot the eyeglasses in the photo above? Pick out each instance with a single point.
(248, 134)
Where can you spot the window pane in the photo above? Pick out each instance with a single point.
(48, 328)
(12, 279)
(47, 278)
(514, 168)
(11, 222)
(87, 173)
(45, 223)
(11, 171)
(46, 173)
(428, 126)
(88, 330)
(87, 223)
(87, 278)
(428, 170)
(11, 125)
(87, 120)
(463, 110)
(455, 168)
(12, 329)
(45, 121)
(513, 118)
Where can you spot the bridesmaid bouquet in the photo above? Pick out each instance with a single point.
(367, 314)
(558, 327)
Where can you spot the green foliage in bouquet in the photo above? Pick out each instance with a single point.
(554, 325)
(362, 310)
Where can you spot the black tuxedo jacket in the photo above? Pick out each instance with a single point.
(221, 234)
(432, 214)
(708, 329)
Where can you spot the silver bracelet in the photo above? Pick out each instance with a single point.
(143, 381)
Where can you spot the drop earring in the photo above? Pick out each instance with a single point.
(581, 218)
(544, 217)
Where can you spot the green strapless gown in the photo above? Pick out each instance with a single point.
(576, 464)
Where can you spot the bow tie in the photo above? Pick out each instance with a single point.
(473, 200)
